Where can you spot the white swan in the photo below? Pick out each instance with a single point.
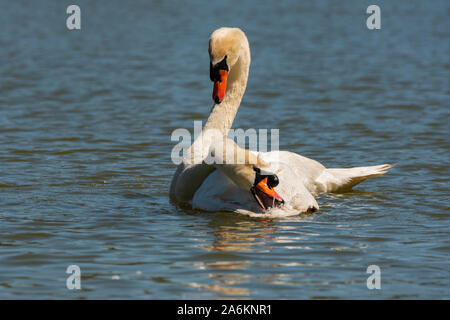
(277, 180)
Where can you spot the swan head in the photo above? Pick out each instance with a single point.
(248, 172)
(263, 189)
(261, 183)
(225, 46)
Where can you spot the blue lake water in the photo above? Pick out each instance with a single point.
(85, 124)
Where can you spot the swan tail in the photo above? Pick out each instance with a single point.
(339, 180)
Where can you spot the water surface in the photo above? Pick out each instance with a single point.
(85, 124)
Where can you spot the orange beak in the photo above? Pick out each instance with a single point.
(262, 185)
(220, 87)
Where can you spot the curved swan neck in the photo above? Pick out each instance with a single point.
(222, 115)
(192, 172)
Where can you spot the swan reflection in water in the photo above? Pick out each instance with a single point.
(229, 259)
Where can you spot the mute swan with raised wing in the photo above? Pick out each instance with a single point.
(265, 181)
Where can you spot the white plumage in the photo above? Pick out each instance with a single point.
(227, 186)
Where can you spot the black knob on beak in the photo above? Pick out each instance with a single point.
(272, 181)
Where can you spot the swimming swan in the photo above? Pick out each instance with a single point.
(263, 181)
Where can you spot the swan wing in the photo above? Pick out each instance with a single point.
(342, 179)
(296, 175)
(220, 193)
(295, 169)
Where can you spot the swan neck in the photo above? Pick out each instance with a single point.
(222, 115)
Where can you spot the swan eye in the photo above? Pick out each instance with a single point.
(223, 65)
(214, 71)
(257, 170)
